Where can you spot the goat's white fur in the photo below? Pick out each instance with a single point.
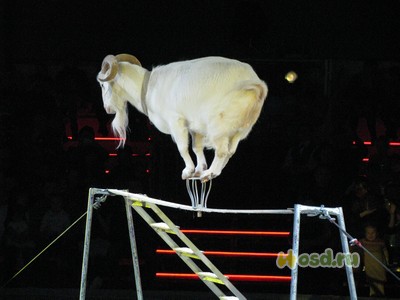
(214, 99)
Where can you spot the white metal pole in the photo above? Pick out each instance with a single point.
(346, 251)
(295, 246)
(85, 259)
(135, 258)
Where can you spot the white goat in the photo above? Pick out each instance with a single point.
(214, 99)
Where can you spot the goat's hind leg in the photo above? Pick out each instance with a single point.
(233, 145)
(198, 147)
(221, 156)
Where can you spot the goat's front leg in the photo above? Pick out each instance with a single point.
(180, 134)
(197, 146)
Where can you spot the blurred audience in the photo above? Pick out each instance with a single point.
(380, 164)
(362, 206)
(72, 92)
(125, 173)
(55, 220)
(374, 271)
(19, 239)
(88, 159)
(392, 202)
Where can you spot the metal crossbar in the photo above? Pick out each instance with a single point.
(146, 199)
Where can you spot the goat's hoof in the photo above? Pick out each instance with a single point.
(207, 176)
(197, 173)
(199, 170)
(187, 174)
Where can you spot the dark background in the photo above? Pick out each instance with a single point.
(162, 31)
(343, 52)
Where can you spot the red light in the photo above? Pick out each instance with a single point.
(107, 171)
(148, 171)
(236, 232)
(231, 277)
(365, 159)
(226, 253)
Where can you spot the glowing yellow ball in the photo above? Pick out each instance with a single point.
(291, 76)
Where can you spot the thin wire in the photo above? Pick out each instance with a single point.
(354, 241)
(41, 252)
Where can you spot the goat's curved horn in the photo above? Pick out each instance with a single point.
(109, 68)
(128, 58)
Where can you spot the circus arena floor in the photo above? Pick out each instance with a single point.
(67, 294)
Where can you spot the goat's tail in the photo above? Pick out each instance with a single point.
(257, 90)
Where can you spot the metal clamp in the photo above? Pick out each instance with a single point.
(198, 195)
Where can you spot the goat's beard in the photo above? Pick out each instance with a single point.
(120, 125)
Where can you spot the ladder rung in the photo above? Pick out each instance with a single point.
(186, 252)
(140, 203)
(228, 298)
(208, 276)
(162, 226)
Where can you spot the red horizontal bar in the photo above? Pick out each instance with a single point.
(100, 138)
(236, 232)
(368, 143)
(231, 277)
(108, 139)
(226, 253)
(133, 154)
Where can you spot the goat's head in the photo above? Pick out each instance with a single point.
(113, 98)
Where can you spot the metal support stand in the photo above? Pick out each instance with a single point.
(95, 203)
(191, 252)
(322, 212)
